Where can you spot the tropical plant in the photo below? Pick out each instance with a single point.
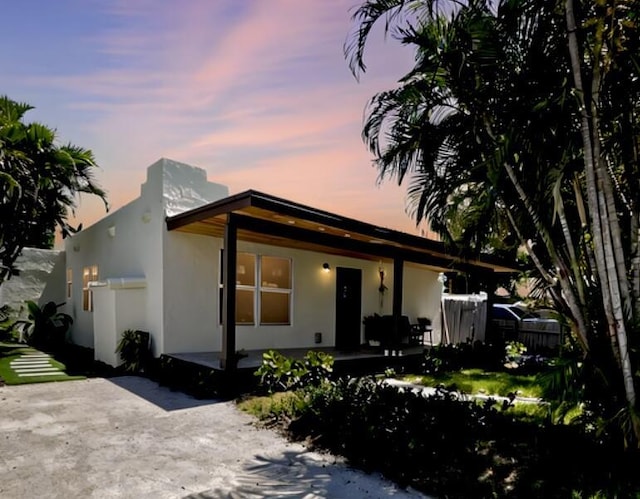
(133, 349)
(280, 373)
(518, 128)
(46, 326)
(39, 183)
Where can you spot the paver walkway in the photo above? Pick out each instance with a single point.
(128, 437)
(34, 364)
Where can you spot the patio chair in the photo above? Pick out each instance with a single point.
(419, 330)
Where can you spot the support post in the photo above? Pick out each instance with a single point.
(229, 259)
(398, 279)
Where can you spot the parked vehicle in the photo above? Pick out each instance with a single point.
(527, 326)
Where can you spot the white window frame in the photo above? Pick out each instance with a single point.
(257, 290)
(90, 273)
(239, 287)
(267, 289)
(69, 283)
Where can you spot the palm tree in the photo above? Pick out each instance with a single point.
(502, 143)
(39, 183)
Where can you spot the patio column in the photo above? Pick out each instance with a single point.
(227, 357)
(398, 279)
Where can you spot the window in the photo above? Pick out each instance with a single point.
(69, 282)
(275, 290)
(89, 274)
(270, 296)
(245, 287)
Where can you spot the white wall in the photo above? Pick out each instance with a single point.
(129, 243)
(105, 335)
(179, 306)
(135, 250)
(191, 293)
(314, 295)
(421, 296)
(40, 279)
(115, 311)
(192, 301)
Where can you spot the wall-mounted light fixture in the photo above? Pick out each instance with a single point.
(326, 267)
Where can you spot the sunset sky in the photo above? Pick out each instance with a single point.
(256, 92)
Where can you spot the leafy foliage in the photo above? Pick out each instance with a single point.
(479, 381)
(46, 326)
(280, 373)
(518, 126)
(455, 356)
(134, 351)
(449, 447)
(39, 182)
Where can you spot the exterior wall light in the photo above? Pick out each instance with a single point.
(326, 267)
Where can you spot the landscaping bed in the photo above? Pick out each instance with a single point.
(12, 373)
(444, 445)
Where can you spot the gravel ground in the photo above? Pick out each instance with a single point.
(128, 437)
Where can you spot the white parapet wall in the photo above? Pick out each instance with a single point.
(40, 278)
(131, 242)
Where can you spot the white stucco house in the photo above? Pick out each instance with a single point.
(203, 271)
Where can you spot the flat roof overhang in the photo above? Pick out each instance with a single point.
(266, 219)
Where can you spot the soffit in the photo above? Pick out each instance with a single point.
(274, 221)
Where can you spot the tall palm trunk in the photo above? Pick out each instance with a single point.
(603, 246)
(567, 289)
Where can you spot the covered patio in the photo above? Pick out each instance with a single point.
(251, 359)
(260, 218)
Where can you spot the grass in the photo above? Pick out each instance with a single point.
(267, 406)
(478, 381)
(11, 351)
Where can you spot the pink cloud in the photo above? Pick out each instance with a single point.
(263, 99)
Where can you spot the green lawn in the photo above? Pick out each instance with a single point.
(477, 381)
(11, 351)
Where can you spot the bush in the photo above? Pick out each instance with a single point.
(453, 357)
(452, 448)
(134, 350)
(46, 327)
(446, 446)
(279, 373)
(7, 322)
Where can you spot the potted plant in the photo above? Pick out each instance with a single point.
(134, 350)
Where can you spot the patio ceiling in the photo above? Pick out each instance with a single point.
(266, 219)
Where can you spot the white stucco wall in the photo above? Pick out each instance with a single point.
(130, 243)
(116, 310)
(180, 305)
(422, 294)
(135, 250)
(191, 293)
(40, 279)
(314, 295)
(192, 300)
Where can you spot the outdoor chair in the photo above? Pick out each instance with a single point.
(419, 330)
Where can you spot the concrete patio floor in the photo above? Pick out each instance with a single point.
(128, 437)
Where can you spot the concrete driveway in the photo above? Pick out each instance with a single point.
(128, 437)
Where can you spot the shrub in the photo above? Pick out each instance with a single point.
(444, 445)
(457, 448)
(452, 357)
(134, 350)
(280, 373)
(46, 327)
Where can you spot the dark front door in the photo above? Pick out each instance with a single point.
(348, 308)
